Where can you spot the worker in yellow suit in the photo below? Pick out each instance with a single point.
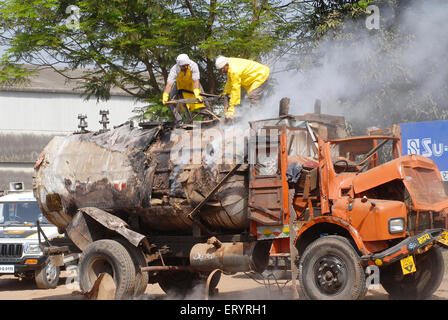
(183, 79)
(248, 74)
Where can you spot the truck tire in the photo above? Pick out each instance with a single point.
(419, 285)
(48, 276)
(178, 283)
(141, 278)
(329, 269)
(107, 256)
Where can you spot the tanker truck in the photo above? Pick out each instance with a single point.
(178, 206)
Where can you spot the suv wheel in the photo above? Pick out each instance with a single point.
(48, 276)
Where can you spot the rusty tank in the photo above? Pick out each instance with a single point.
(130, 172)
(154, 175)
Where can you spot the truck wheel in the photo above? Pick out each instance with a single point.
(177, 283)
(329, 269)
(418, 285)
(107, 256)
(141, 278)
(48, 276)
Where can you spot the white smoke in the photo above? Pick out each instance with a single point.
(373, 73)
(398, 73)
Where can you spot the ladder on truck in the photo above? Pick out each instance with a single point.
(270, 199)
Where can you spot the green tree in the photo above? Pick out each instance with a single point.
(131, 44)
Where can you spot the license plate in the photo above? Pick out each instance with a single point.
(422, 239)
(443, 239)
(6, 268)
(408, 265)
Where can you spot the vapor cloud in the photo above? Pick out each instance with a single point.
(398, 73)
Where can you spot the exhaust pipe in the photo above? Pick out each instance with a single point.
(230, 256)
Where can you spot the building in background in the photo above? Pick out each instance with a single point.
(47, 106)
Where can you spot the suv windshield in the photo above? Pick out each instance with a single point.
(20, 213)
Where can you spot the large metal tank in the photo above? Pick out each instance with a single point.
(130, 172)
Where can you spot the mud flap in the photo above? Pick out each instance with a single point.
(79, 229)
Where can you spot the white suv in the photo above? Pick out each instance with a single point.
(20, 252)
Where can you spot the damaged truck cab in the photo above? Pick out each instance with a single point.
(390, 209)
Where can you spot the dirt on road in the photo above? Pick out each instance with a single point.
(231, 287)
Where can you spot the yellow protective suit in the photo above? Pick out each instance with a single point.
(185, 82)
(246, 73)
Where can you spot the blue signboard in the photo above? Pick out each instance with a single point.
(429, 139)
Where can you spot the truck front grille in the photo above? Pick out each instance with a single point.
(11, 250)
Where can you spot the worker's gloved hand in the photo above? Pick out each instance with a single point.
(229, 114)
(165, 97)
(197, 94)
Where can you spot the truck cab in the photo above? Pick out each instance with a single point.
(357, 205)
(21, 251)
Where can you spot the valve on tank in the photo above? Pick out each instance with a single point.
(104, 120)
(82, 123)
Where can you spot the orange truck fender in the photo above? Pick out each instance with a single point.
(328, 223)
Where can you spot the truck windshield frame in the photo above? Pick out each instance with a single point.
(365, 152)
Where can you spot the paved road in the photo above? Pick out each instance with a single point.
(236, 287)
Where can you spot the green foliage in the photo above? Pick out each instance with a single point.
(362, 4)
(13, 75)
(156, 110)
(131, 44)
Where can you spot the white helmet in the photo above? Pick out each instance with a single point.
(221, 62)
(182, 59)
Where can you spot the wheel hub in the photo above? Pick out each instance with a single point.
(50, 272)
(330, 274)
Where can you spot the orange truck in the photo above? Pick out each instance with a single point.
(359, 203)
(343, 204)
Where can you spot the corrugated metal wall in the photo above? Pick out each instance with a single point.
(18, 153)
(29, 120)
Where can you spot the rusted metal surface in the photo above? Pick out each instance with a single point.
(129, 172)
(230, 257)
(79, 232)
(168, 268)
(212, 282)
(114, 223)
(86, 226)
(284, 107)
(194, 212)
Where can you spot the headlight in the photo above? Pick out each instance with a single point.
(32, 248)
(396, 225)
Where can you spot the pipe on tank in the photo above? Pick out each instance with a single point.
(230, 256)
